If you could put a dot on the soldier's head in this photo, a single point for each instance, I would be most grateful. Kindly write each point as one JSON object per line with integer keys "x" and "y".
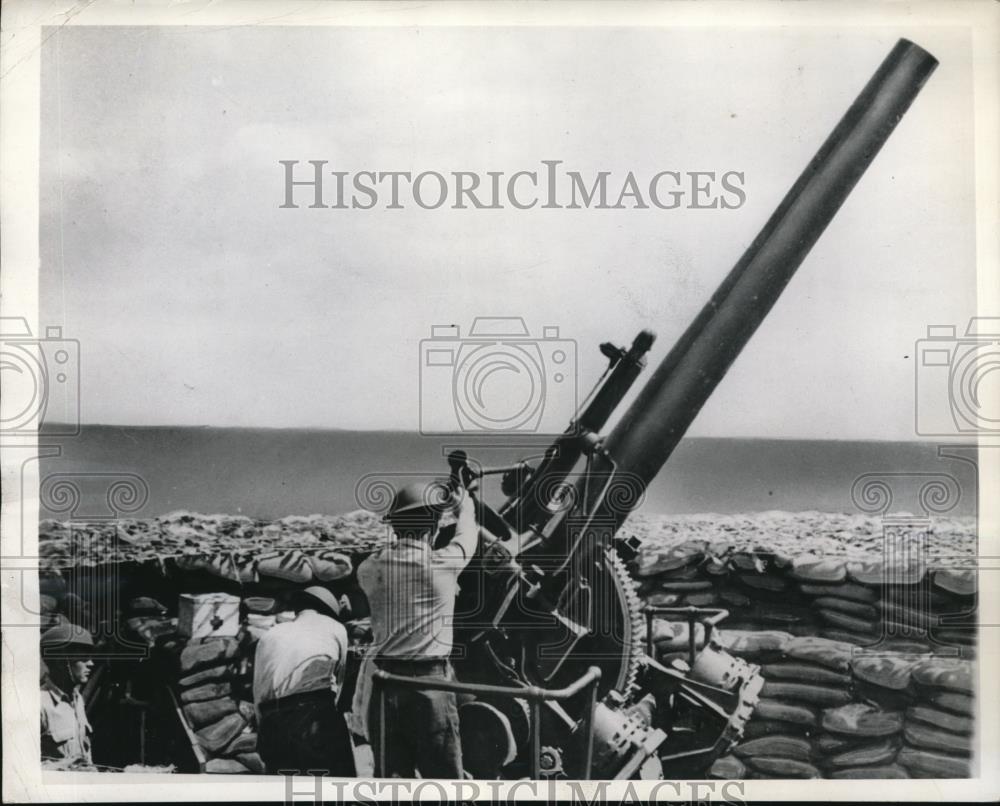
{"x": 67, "y": 651}
{"x": 416, "y": 510}
{"x": 317, "y": 598}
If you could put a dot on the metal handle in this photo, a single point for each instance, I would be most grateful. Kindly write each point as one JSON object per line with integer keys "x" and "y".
{"x": 534, "y": 694}
{"x": 708, "y": 616}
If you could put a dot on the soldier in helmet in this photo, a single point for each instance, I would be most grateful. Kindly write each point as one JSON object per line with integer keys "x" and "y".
{"x": 298, "y": 675}
{"x": 67, "y": 652}
{"x": 411, "y": 588}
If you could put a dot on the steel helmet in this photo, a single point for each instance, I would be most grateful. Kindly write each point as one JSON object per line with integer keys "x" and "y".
{"x": 324, "y": 597}
{"x": 431, "y": 497}
{"x": 67, "y": 639}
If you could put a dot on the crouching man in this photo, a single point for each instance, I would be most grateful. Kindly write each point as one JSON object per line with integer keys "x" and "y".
{"x": 411, "y": 589}
{"x": 298, "y": 674}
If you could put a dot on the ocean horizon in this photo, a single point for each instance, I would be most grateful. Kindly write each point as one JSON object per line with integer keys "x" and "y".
{"x": 271, "y": 473}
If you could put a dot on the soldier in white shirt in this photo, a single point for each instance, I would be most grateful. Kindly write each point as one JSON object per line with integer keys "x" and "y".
{"x": 66, "y": 651}
{"x": 298, "y": 674}
{"x": 411, "y": 589}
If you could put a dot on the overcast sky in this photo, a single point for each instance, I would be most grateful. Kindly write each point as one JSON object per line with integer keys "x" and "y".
{"x": 197, "y": 300}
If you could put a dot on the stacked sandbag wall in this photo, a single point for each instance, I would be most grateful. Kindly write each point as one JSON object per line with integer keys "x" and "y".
{"x": 216, "y": 701}
{"x": 830, "y": 710}
{"x": 863, "y": 676}
{"x": 211, "y": 677}
{"x": 862, "y": 602}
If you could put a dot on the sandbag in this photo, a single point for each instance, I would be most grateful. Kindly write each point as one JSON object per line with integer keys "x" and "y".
{"x": 935, "y": 717}
{"x": 199, "y": 714}
{"x": 219, "y": 565}
{"x": 842, "y": 636}
{"x": 859, "y": 610}
{"x": 850, "y": 623}
{"x": 247, "y": 709}
{"x": 862, "y": 719}
{"x": 952, "y": 701}
{"x": 715, "y": 567}
{"x": 961, "y": 582}
{"x": 905, "y": 646}
{"x": 198, "y": 655}
{"x": 905, "y": 618}
{"x": 832, "y": 654}
{"x": 783, "y": 767}
{"x": 813, "y": 569}
{"x": 928, "y": 738}
{"x": 290, "y": 566}
{"x": 888, "y": 671}
{"x": 881, "y": 752}
{"x": 692, "y": 586}
{"x": 649, "y": 565}
{"x": 245, "y": 742}
{"x": 660, "y": 599}
{"x": 685, "y": 574}
{"x": 706, "y": 599}
{"x": 786, "y": 712}
{"x": 779, "y": 746}
{"x": 885, "y": 772}
{"x": 764, "y": 582}
{"x": 206, "y": 691}
{"x": 805, "y": 673}
{"x": 225, "y": 766}
{"x": 219, "y": 734}
{"x": 926, "y": 764}
{"x": 877, "y": 573}
{"x": 822, "y": 696}
{"x": 829, "y": 743}
{"x": 940, "y": 673}
{"x": 957, "y": 636}
{"x": 205, "y": 676}
{"x": 329, "y": 565}
{"x": 846, "y": 590}
{"x": 748, "y": 643}
{"x": 728, "y": 768}
{"x": 252, "y": 762}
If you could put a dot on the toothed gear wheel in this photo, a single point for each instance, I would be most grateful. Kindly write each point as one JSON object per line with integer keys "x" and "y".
{"x": 632, "y": 607}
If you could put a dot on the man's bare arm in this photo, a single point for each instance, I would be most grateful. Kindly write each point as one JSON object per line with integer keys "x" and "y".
{"x": 463, "y": 545}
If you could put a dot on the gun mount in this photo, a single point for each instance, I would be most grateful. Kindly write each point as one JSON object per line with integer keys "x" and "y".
{"x": 549, "y": 595}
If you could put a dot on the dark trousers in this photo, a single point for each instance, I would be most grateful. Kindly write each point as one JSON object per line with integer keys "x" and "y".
{"x": 303, "y": 733}
{"x": 421, "y": 726}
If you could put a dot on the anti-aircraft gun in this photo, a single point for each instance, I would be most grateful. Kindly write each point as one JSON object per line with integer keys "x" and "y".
{"x": 549, "y": 600}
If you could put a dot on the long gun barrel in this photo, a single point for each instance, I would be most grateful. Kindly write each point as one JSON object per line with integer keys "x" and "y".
{"x": 648, "y": 432}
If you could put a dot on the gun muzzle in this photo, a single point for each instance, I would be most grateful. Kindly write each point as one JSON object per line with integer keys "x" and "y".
{"x": 648, "y": 432}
